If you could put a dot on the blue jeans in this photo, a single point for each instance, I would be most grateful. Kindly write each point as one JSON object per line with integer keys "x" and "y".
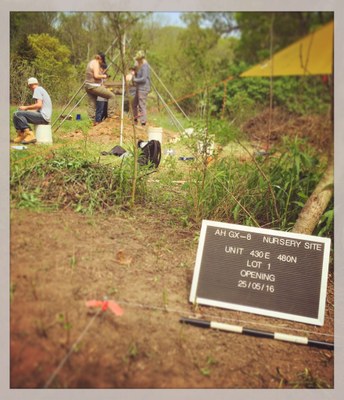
{"x": 101, "y": 110}
{"x": 21, "y": 119}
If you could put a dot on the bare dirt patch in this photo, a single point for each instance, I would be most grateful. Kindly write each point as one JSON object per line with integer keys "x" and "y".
{"x": 109, "y": 131}
{"x": 143, "y": 260}
{"x": 60, "y": 260}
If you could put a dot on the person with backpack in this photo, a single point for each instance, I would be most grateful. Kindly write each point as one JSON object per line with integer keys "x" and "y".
{"x": 38, "y": 113}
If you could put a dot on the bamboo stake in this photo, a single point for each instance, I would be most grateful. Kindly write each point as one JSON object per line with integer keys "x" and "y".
{"x": 123, "y": 92}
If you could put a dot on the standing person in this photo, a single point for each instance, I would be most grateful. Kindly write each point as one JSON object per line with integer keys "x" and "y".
{"x": 142, "y": 82}
{"x": 38, "y": 113}
{"x": 94, "y": 88}
{"x": 131, "y": 87}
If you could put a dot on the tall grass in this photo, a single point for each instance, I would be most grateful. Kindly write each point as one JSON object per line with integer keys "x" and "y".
{"x": 261, "y": 191}
{"x": 266, "y": 191}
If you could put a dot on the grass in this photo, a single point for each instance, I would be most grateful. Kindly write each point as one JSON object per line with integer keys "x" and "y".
{"x": 71, "y": 178}
{"x": 240, "y": 186}
{"x": 259, "y": 191}
{"x": 304, "y": 380}
{"x": 210, "y": 362}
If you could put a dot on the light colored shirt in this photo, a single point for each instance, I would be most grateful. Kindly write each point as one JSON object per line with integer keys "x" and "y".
{"x": 142, "y": 78}
{"x": 47, "y": 107}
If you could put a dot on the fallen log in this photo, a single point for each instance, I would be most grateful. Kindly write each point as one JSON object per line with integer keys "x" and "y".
{"x": 317, "y": 203}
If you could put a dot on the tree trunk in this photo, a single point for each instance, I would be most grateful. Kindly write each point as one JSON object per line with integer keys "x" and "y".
{"x": 317, "y": 203}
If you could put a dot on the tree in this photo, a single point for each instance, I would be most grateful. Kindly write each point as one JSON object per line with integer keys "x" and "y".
{"x": 255, "y": 31}
{"x": 195, "y": 45}
{"x": 52, "y": 65}
{"x": 317, "y": 203}
{"x": 23, "y": 24}
{"x": 73, "y": 32}
{"x": 223, "y": 23}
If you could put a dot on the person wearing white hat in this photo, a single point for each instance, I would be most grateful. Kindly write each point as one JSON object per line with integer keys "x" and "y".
{"x": 38, "y": 113}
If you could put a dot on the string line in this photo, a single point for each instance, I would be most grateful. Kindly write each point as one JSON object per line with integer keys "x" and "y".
{"x": 211, "y": 317}
{"x": 71, "y": 350}
{"x": 156, "y": 308}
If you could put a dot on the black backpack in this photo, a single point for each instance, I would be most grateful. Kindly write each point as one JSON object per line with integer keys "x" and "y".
{"x": 150, "y": 153}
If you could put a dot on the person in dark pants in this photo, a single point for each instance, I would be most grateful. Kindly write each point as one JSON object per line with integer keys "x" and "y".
{"x": 102, "y": 102}
{"x": 38, "y": 113}
{"x": 95, "y": 88}
{"x": 101, "y": 110}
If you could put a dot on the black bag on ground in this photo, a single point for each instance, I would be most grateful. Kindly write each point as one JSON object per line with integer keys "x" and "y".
{"x": 116, "y": 151}
{"x": 150, "y": 153}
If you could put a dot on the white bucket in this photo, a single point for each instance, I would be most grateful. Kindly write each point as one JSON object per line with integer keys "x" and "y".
{"x": 43, "y": 134}
{"x": 209, "y": 148}
{"x": 155, "y": 134}
{"x": 189, "y": 131}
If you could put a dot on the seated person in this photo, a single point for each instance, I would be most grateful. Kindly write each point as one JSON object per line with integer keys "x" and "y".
{"x": 38, "y": 113}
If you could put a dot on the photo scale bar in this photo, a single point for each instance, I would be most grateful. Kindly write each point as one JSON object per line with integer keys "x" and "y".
{"x": 258, "y": 333}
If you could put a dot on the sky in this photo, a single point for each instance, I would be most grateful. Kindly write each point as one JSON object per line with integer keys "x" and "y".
{"x": 169, "y": 18}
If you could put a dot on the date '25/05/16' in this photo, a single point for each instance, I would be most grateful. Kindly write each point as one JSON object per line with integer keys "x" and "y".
{"x": 256, "y": 286}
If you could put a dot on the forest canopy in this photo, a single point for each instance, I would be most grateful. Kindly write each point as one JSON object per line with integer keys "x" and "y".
{"x": 197, "y": 57}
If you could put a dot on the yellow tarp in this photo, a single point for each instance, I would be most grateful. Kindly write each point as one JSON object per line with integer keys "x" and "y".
{"x": 312, "y": 55}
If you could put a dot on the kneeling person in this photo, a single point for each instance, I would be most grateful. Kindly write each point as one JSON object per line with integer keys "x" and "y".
{"x": 38, "y": 113}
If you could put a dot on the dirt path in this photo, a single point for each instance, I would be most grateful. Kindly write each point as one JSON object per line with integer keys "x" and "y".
{"x": 60, "y": 260}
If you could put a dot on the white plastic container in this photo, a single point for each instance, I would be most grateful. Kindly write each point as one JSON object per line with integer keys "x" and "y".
{"x": 155, "y": 134}
{"x": 43, "y": 134}
{"x": 189, "y": 132}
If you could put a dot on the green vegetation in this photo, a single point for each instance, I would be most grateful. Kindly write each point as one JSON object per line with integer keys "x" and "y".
{"x": 242, "y": 155}
{"x": 304, "y": 380}
{"x": 193, "y": 62}
{"x": 259, "y": 191}
{"x": 262, "y": 192}
{"x": 200, "y": 65}
{"x": 72, "y": 179}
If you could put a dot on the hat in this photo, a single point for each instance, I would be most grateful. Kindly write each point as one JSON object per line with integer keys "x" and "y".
{"x": 32, "y": 81}
{"x": 139, "y": 55}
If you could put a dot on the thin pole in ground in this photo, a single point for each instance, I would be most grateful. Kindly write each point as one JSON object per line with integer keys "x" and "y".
{"x": 170, "y": 94}
{"x": 123, "y": 92}
{"x": 80, "y": 100}
{"x": 169, "y": 111}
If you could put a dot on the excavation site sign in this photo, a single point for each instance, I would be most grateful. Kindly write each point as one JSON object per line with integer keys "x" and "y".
{"x": 262, "y": 271}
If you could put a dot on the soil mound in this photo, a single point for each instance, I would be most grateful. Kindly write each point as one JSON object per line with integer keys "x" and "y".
{"x": 274, "y": 125}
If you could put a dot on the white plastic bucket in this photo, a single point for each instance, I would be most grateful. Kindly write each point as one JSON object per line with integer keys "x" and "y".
{"x": 43, "y": 134}
{"x": 155, "y": 134}
{"x": 209, "y": 148}
{"x": 189, "y": 131}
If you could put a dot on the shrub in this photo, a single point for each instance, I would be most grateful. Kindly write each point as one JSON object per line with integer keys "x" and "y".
{"x": 262, "y": 192}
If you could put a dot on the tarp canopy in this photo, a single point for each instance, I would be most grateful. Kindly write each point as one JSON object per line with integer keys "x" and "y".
{"x": 312, "y": 55}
